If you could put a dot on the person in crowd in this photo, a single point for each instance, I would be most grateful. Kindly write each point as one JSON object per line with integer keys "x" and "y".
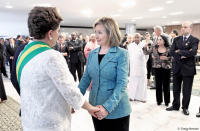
{"x": 148, "y": 42}
{"x": 107, "y": 67}
{"x": 3, "y": 51}
{"x": 26, "y": 40}
{"x": 19, "y": 40}
{"x": 87, "y": 38}
{"x": 126, "y": 41}
{"x": 2, "y": 89}
{"x": 91, "y": 45}
{"x": 13, "y": 77}
{"x": 77, "y": 58}
{"x": 173, "y": 35}
{"x": 62, "y": 47}
{"x": 47, "y": 88}
{"x": 162, "y": 68}
{"x": 198, "y": 114}
{"x": 138, "y": 80}
{"x": 10, "y": 51}
{"x": 159, "y": 31}
{"x": 183, "y": 50}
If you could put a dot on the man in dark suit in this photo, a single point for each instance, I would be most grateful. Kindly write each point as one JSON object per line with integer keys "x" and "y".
{"x": 77, "y": 58}
{"x": 62, "y": 47}
{"x": 184, "y": 49}
{"x": 10, "y": 51}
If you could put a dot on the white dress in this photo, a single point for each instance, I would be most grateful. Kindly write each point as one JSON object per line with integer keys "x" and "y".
{"x": 138, "y": 72}
{"x": 48, "y": 91}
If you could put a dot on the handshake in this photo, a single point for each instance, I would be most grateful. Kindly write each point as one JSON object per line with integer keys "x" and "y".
{"x": 98, "y": 111}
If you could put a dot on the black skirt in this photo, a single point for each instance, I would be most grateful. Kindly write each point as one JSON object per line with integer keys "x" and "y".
{"x": 2, "y": 90}
{"x": 119, "y": 124}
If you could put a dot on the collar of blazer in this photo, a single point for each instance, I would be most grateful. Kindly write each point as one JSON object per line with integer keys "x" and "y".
{"x": 109, "y": 55}
{"x": 112, "y": 49}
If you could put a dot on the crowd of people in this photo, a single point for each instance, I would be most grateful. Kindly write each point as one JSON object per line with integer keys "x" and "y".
{"x": 117, "y": 71}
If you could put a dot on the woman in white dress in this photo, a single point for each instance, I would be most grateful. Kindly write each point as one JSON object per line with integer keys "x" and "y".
{"x": 48, "y": 90}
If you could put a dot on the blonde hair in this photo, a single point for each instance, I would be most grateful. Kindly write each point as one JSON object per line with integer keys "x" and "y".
{"x": 112, "y": 30}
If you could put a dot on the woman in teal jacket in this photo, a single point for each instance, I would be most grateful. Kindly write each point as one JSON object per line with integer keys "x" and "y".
{"x": 107, "y": 67}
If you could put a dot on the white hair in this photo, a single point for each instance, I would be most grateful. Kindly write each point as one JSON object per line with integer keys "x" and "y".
{"x": 158, "y": 28}
{"x": 188, "y": 22}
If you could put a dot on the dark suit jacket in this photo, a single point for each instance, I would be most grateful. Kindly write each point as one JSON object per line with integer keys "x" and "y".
{"x": 1, "y": 56}
{"x": 76, "y": 54}
{"x": 2, "y": 64}
{"x": 10, "y": 51}
{"x": 63, "y": 50}
{"x": 184, "y": 66}
{"x": 13, "y": 73}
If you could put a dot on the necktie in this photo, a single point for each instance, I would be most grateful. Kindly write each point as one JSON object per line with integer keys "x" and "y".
{"x": 184, "y": 39}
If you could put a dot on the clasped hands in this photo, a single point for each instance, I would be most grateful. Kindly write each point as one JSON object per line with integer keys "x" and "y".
{"x": 98, "y": 112}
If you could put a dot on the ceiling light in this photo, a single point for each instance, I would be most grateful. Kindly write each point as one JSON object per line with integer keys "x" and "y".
{"x": 127, "y": 4}
{"x": 138, "y": 18}
{"x": 87, "y": 12}
{"x": 133, "y": 20}
{"x": 120, "y": 10}
{"x": 196, "y": 21}
{"x": 164, "y": 17}
{"x": 176, "y": 13}
{"x": 169, "y": 2}
{"x": 43, "y": 5}
{"x": 9, "y": 6}
{"x": 115, "y": 15}
{"x": 176, "y": 22}
{"x": 156, "y": 9}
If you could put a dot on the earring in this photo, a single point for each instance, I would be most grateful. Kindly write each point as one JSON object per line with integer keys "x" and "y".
{"x": 50, "y": 38}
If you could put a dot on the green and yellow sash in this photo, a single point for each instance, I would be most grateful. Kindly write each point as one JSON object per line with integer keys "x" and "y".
{"x": 30, "y": 51}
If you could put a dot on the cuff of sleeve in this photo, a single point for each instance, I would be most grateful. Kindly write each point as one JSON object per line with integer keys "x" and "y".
{"x": 108, "y": 107}
{"x": 80, "y": 103}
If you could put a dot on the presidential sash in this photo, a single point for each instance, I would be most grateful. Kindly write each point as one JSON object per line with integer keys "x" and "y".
{"x": 29, "y": 52}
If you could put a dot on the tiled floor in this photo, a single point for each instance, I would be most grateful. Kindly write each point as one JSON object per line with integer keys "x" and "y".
{"x": 144, "y": 117}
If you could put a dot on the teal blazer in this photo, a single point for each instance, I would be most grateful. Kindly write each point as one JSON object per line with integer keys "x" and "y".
{"x": 110, "y": 78}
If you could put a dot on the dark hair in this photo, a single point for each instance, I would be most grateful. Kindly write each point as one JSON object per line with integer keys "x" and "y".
{"x": 175, "y": 32}
{"x": 166, "y": 42}
{"x": 43, "y": 19}
{"x": 18, "y": 36}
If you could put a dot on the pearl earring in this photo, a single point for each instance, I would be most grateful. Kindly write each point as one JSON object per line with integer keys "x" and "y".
{"x": 50, "y": 38}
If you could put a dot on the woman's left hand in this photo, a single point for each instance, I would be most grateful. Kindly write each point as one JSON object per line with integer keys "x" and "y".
{"x": 102, "y": 113}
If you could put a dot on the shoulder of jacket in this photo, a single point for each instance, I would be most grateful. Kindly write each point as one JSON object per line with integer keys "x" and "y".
{"x": 194, "y": 37}
{"x": 177, "y": 38}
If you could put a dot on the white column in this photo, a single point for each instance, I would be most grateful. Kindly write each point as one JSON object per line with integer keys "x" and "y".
{"x": 130, "y": 28}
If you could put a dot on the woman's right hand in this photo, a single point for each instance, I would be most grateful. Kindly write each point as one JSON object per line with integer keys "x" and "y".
{"x": 91, "y": 109}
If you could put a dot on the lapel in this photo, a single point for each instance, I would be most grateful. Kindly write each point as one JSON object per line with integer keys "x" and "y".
{"x": 188, "y": 39}
{"x": 110, "y": 55}
{"x": 181, "y": 44}
{"x": 96, "y": 60}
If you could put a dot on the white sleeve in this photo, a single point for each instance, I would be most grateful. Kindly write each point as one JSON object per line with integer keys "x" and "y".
{"x": 58, "y": 71}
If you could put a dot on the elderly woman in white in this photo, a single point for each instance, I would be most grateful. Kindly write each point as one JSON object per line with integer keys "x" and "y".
{"x": 47, "y": 88}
